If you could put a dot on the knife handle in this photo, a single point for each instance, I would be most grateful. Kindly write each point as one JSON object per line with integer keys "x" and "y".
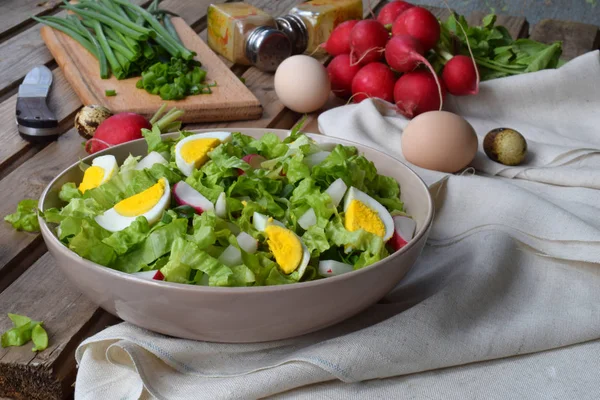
{"x": 33, "y": 112}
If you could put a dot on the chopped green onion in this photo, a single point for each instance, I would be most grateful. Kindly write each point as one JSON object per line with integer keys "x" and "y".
{"x": 110, "y": 92}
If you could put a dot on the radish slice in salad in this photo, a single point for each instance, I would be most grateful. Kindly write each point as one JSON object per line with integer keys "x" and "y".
{"x": 316, "y": 158}
{"x": 150, "y": 275}
{"x": 404, "y": 230}
{"x": 186, "y": 195}
{"x": 151, "y": 159}
{"x": 247, "y": 243}
{"x": 336, "y": 191}
{"x": 308, "y": 219}
{"x": 231, "y": 256}
{"x": 333, "y": 268}
{"x": 255, "y": 161}
{"x": 221, "y": 206}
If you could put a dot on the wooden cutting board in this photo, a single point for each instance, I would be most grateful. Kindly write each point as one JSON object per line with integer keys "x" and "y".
{"x": 231, "y": 100}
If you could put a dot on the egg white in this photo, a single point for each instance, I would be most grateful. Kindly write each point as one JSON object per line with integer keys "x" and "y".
{"x": 112, "y": 221}
{"x": 152, "y": 158}
{"x": 261, "y": 222}
{"x": 109, "y": 165}
{"x": 385, "y": 216}
{"x": 187, "y": 168}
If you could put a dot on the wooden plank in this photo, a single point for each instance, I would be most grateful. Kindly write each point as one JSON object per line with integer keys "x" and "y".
{"x": 68, "y": 317}
{"x": 577, "y": 38}
{"x": 517, "y": 26}
{"x": 17, "y": 13}
{"x": 230, "y": 100}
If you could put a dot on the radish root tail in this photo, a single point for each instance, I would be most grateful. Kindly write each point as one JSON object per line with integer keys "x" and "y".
{"x": 352, "y": 63}
{"x": 92, "y": 140}
{"x": 371, "y": 10}
{"x": 435, "y": 76}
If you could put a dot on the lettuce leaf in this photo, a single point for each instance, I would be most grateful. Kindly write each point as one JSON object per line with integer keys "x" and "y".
{"x": 135, "y": 233}
{"x": 26, "y": 216}
{"x": 24, "y": 329}
{"x": 68, "y": 192}
{"x": 88, "y": 243}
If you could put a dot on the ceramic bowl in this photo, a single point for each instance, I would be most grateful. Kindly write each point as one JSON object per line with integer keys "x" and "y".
{"x": 242, "y": 314}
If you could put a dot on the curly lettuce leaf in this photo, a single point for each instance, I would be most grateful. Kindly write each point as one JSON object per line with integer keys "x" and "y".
{"x": 26, "y": 216}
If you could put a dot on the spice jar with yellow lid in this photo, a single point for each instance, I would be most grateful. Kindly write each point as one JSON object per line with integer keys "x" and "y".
{"x": 246, "y": 35}
{"x": 309, "y": 24}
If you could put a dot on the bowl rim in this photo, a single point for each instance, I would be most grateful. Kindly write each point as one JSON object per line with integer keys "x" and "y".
{"x": 49, "y": 235}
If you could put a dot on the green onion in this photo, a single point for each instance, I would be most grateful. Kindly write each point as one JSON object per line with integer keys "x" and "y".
{"x": 171, "y": 28}
{"x": 69, "y": 31}
{"x": 110, "y": 56}
{"x": 99, "y": 53}
{"x": 110, "y": 93}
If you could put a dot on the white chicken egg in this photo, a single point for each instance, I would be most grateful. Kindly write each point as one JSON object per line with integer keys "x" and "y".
{"x": 149, "y": 203}
{"x": 302, "y": 83}
{"x": 152, "y": 158}
{"x": 102, "y": 169}
{"x": 192, "y": 152}
{"x": 287, "y": 248}
{"x": 364, "y": 212}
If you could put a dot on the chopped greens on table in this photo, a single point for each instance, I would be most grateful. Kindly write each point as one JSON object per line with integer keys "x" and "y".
{"x": 23, "y": 331}
{"x": 128, "y": 41}
{"x": 225, "y": 209}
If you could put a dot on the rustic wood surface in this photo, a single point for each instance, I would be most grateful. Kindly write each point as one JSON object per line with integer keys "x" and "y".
{"x": 30, "y": 282}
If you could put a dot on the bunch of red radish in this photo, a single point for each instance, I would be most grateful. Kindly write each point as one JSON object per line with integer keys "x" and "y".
{"x": 369, "y": 62}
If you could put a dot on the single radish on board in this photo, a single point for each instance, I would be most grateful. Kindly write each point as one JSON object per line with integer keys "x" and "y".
{"x": 374, "y": 80}
{"x": 339, "y": 40}
{"x": 185, "y": 195}
{"x": 418, "y": 92}
{"x": 367, "y": 41}
{"x": 460, "y": 76}
{"x": 341, "y": 72}
{"x": 404, "y": 230}
{"x": 119, "y": 128}
{"x": 391, "y": 11}
{"x": 420, "y": 24}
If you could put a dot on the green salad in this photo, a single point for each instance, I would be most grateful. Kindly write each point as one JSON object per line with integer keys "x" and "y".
{"x": 226, "y": 209}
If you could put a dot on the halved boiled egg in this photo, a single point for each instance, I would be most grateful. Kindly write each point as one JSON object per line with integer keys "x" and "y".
{"x": 192, "y": 152}
{"x": 152, "y": 158}
{"x": 102, "y": 169}
{"x": 150, "y": 204}
{"x": 364, "y": 212}
{"x": 289, "y": 251}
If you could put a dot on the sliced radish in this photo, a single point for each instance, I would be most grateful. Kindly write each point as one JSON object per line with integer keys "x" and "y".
{"x": 308, "y": 219}
{"x": 152, "y": 158}
{"x": 150, "y": 275}
{"x": 333, "y": 268}
{"x": 232, "y": 227}
{"x": 187, "y": 195}
{"x": 261, "y": 221}
{"x": 404, "y": 230}
{"x": 247, "y": 243}
{"x": 316, "y": 158}
{"x": 231, "y": 256}
{"x": 221, "y": 205}
{"x": 337, "y": 190}
{"x": 254, "y": 160}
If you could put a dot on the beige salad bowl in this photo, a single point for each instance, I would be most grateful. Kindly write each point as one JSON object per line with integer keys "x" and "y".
{"x": 246, "y": 314}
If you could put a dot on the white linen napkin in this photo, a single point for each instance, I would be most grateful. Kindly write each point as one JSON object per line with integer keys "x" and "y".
{"x": 511, "y": 268}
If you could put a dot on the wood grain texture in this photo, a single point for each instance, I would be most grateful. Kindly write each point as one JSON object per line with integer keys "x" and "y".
{"x": 68, "y": 318}
{"x": 16, "y": 13}
{"x": 577, "y": 38}
{"x": 518, "y": 27}
{"x": 230, "y": 100}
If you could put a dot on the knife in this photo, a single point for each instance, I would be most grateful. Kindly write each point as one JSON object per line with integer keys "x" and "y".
{"x": 35, "y": 121}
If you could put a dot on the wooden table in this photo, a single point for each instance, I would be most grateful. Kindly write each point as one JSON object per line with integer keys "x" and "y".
{"x": 30, "y": 282}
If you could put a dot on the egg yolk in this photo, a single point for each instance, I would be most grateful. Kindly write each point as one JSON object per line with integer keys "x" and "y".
{"x": 92, "y": 178}
{"x": 196, "y": 151}
{"x": 360, "y": 216}
{"x": 142, "y": 202}
{"x": 285, "y": 246}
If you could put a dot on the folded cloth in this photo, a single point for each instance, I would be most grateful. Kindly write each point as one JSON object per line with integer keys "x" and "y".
{"x": 511, "y": 268}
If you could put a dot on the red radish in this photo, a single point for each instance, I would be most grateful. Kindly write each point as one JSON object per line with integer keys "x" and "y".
{"x": 460, "y": 76}
{"x": 391, "y": 11}
{"x": 247, "y": 243}
{"x": 221, "y": 205}
{"x": 119, "y": 128}
{"x": 404, "y": 230}
{"x": 341, "y": 72}
{"x": 255, "y": 160}
{"x": 374, "y": 80}
{"x": 418, "y": 92}
{"x": 231, "y": 256}
{"x": 186, "y": 195}
{"x": 367, "y": 41}
{"x": 420, "y": 24}
{"x": 404, "y": 53}
{"x": 332, "y": 268}
{"x": 339, "y": 40}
